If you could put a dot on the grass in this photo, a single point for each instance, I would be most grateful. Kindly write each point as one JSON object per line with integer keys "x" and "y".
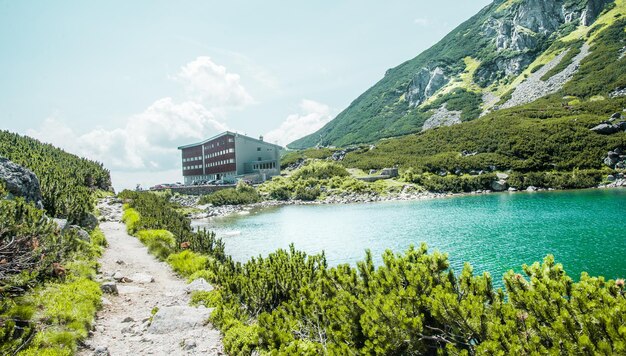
{"x": 131, "y": 217}
{"x": 161, "y": 243}
{"x": 187, "y": 262}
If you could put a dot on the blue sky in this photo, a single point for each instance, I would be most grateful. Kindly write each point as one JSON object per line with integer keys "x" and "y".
{"x": 125, "y": 82}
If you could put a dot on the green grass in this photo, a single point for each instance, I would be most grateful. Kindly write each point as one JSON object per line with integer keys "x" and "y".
{"x": 161, "y": 243}
{"x": 131, "y": 217}
{"x": 187, "y": 262}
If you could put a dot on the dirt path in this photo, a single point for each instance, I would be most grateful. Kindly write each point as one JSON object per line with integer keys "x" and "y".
{"x": 123, "y": 326}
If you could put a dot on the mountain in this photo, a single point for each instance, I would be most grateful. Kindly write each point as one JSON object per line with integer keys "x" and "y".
{"x": 511, "y": 53}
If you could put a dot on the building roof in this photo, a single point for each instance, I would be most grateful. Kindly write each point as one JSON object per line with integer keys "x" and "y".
{"x": 228, "y": 133}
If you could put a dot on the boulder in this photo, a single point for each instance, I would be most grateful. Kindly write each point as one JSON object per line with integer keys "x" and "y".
{"x": 176, "y": 318}
{"x": 62, "y": 224}
{"x": 89, "y": 222}
{"x": 20, "y": 182}
{"x": 531, "y": 188}
{"x": 606, "y": 129}
{"x": 84, "y": 235}
{"x": 499, "y": 185}
{"x": 109, "y": 287}
{"x": 616, "y": 116}
{"x": 199, "y": 284}
{"x": 512, "y": 189}
{"x": 610, "y": 178}
{"x": 142, "y": 278}
{"x": 502, "y": 176}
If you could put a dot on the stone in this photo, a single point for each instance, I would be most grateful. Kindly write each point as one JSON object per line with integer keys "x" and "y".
{"x": 62, "y": 224}
{"x": 606, "y": 129}
{"x": 128, "y": 319}
{"x": 512, "y": 189}
{"x": 89, "y": 222}
{"x": 20, "y": 182}
{"x": 531, "y": 188}
{"x": 176, "y": 318}
{"x": 101, "y": 351}
{"x": 199, "y": 284}
{"x": 142, "y": 278}
{"x": 502, "y": 176}
{"x": 82, "y": 234}
{"x": 499, "y": 185}
{"x": 616, "y": 116}
{"x": 109, "y": 287}
{"x": 610, "y": 178}
{"x": 189, "y": 344}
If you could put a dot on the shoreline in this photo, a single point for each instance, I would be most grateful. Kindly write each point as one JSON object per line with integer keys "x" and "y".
{"x": 224, "y": 211}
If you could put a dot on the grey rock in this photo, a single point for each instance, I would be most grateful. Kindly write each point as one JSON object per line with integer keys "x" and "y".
{"x": 128, "y": 319}
{"x": 512, "y": 189}
{"x": 82, "y": 234}
{"x": 101, "y": 351}
{"x": 442, "y": 117}
{"x": 189, "y": 344}
{"x": 142, "y": 278}
{"x": 531, "y": 188}
{"x": 109, "y": 287}
{"x": 175, "y": 318}
{"x": 503, "y": 176}
{"x": 20, "y": 182}
{"x": 199, "y": 284}
{"x": 616, "y": 116}
{"x": 424, "y": 84}
{"x": 499, "y": 185}
{"x": 606, "y": 129}
{"x": 89, "y": 222}
{"x": 62, "y": 224}
{"x": 610, "y": 178}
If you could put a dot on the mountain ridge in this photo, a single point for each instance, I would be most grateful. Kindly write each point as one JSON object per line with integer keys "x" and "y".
{"x": 474, "y": 69}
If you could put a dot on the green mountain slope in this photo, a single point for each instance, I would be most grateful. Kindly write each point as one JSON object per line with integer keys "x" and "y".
{"x": 529, "y": 46}
{"x": 67, "y": 181}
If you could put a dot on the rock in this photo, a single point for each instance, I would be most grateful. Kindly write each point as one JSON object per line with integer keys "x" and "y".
{"x": 424, "y": 84}
{"x": 89, "y": 222}
{"x": 176, "y": 318}
{"x": 189, "y": 344}
{"x": 101, "y": 351}
{"x": 62, "y": 224}
{"x": 20, "y": 182}
{"x": 109, "y": 287}
{"x": 119, "y": 262}
{"x": 142, "y": 278}
{"x": 199, "y": 284}
{"x": 499, "y": 185}
{"x": 502, "y": 176}
{"x": 616, "y": 116}
{"x": 84, "y": 235}
{"x": 442, "y": 117}
{"x": 128, "y": 319}
{"x": 512, "y": 189}
{"x": 610, "y": 178}
{"x": 531, "y": 188}
{"x": 606, "y": 129}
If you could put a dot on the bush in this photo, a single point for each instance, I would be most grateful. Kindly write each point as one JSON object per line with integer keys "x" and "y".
{"x": 131, "y": 217}
{"x": 161, "y": 243}
{"x": 242, "y": 194}
{"x": 319, "y": 170}
{"x": 186, "y": 262}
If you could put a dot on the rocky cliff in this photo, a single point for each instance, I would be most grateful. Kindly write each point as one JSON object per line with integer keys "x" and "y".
{"x": 504, "y": 46}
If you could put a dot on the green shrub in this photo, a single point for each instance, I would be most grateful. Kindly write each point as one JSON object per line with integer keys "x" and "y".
{"x": 241, "y": 339}
{"x": 161, "y": 243}
{"x": 187, "y": 262}
{"x": 208, "y": 299}
{"x": 319, "y": 170}
{"x": 307, "y": 193}
{"x": 131, "y": 217}
{"x": 242, "y": 194}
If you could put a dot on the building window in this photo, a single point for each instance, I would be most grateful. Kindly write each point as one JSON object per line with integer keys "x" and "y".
{"x": 259, "y": 159}
{"x": 258, "y": 148}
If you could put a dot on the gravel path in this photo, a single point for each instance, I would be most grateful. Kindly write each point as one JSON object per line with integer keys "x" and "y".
{"x": 124, "y": 325}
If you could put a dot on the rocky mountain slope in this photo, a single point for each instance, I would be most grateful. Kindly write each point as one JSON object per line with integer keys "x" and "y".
{"x": 511, "y": 53}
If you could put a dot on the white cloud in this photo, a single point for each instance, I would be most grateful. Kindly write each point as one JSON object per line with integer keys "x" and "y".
{"x": 211, "y": 84}
{"x": 146, "y": 146}
{"x": 423, "y": 22}
{"x": 312, "y": 117}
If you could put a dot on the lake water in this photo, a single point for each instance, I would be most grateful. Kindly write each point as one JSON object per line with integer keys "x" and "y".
{"x": 584, "y": 230}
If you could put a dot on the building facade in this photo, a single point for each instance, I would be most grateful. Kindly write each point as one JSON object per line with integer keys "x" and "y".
{"x": 229, "y": 156}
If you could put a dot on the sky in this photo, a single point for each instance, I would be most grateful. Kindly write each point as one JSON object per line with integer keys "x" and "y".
{"x": 126, "y": 82}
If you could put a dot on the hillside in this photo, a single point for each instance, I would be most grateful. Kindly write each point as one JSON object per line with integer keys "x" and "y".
{"x": 67, "y": 181}
{"x": 511, "y": 53}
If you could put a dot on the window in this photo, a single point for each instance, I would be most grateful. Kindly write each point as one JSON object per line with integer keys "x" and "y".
{"x": 258, "y": 148}
{"x": 259, "y": 159}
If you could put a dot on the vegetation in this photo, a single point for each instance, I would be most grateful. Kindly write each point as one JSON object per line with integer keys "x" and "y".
{"x": 161, "y": 243}
{"x": 47, "y": 296}
{"x": 242, "y": 194}
{"x": 293, "y": 303}
{"x": 67, "y": 181}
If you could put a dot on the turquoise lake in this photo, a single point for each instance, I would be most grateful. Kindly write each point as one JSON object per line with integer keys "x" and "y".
{"x": 585, "y": 230}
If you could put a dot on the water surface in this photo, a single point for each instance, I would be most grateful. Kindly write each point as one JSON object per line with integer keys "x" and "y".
{"x": 585, "y": 230}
